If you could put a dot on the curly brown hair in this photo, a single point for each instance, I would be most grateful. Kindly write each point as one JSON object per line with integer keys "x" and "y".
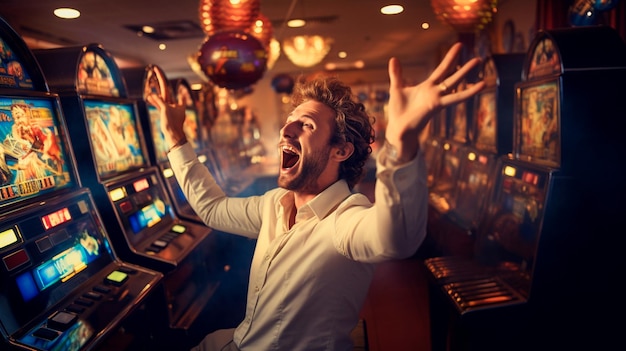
{"x": 352, "y": 123}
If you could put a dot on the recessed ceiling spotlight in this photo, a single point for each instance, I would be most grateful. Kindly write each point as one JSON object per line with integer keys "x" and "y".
{"x": 391, "y": 9}
{"x": 162, "y": 46}
{"x": 147, "y": 29}
{"x": 66, "y": 13}
{"x": 342, "y": 54}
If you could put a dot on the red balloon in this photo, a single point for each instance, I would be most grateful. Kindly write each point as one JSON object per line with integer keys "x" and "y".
{"x": 233, "y": 59}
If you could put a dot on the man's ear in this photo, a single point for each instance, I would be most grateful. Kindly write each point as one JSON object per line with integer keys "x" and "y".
{"x": 342, "y": 153}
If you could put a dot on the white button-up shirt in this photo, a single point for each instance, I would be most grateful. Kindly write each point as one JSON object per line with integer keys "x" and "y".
{"x": 307, "y": 284}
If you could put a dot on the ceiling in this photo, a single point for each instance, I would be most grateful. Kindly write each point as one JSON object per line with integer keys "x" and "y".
{"x": 356, "y": 27}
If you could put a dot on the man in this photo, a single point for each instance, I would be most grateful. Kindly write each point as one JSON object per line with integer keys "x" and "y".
{"x": 317, "y": 241}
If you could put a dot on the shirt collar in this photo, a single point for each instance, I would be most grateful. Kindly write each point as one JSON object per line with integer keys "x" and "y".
{"x": 325, "y": 202}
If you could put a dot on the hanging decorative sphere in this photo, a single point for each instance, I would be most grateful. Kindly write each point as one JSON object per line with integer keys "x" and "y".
{"x": 465, "y": 16}
{"x": 233, "y": 59}
{"x": 283, "y": 83}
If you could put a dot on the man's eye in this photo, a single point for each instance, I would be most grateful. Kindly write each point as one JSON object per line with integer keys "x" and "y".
{"x": 307, "y": 125}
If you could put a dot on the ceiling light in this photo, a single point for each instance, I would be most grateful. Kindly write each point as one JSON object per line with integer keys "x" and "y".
{"x": 342, "y": 54}
{"x": 391, "y": 9}
{"x": 306, "y": 50}
{"x": 147, "y": 29}
{"x": 296, "y": 23}
{"x": 66, "y": 13}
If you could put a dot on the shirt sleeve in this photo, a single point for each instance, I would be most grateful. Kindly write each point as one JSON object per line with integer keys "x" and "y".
{"x": 236, "y": 215}
{"x": 395, "y": 226}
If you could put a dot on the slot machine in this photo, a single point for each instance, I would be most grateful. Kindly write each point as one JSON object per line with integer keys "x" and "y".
{"x": 62, "y": 286}
{"x": 194, "y": 131}
{"x": 433, "y": 145}
{"x": 491, "y": 136}
{"x": 140, "y": 80}
{"x": 545, "y": 256}
{"x": 113, "y": 162}
{"x": 446, "y": 174}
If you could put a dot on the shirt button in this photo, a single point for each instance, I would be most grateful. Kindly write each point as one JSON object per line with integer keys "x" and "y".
{"x": 267, "y": 257}
{"x": 256, "y": 288}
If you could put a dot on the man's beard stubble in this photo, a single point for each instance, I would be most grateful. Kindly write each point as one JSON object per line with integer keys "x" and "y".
{"x": 310, "y": 171}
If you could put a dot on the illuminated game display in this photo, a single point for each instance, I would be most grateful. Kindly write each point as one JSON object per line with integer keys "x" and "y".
{"x": 459, "y": 119}
{"x": 158, "y": 139}
{"x": 114, "y": 137}
{"x": 485, "y": 137}
{"x": 191, "y": 127}
{"x": 538, "y": 138}
{"x": 33, "y": 158}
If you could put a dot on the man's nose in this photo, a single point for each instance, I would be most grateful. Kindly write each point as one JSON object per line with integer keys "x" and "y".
{"x": 288, "y": 130}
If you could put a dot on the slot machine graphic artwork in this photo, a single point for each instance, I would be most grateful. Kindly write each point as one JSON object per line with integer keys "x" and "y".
{"x": 62, "y": 287}
{"x": 545, "y": 259}
{"x": 491, "y": 134}
{"x": 113, "y": 162}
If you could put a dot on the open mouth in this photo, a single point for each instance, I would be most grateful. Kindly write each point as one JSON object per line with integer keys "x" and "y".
{"x": 290, "y": 157}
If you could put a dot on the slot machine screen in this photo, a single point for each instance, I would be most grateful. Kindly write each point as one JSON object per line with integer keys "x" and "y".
{"x": 458, "y": 126}
{"x": 71, "y": 252}
{"x": 448, "y": 170}
{"x": 158, "y": 139}
{"x": 516, "y": 218}
{"x": 485, "y": 126}
{"x": 191, "y": 127}
{"x": 538, "y": 134}
{"x": 114, "y": 137}
{"x": 472, "y": 186}
{"x": 33, "y": 157}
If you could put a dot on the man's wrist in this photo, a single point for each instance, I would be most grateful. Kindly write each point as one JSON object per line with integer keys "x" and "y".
{"x": 177, "y": 144}
{"x": 396, "y": 156}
